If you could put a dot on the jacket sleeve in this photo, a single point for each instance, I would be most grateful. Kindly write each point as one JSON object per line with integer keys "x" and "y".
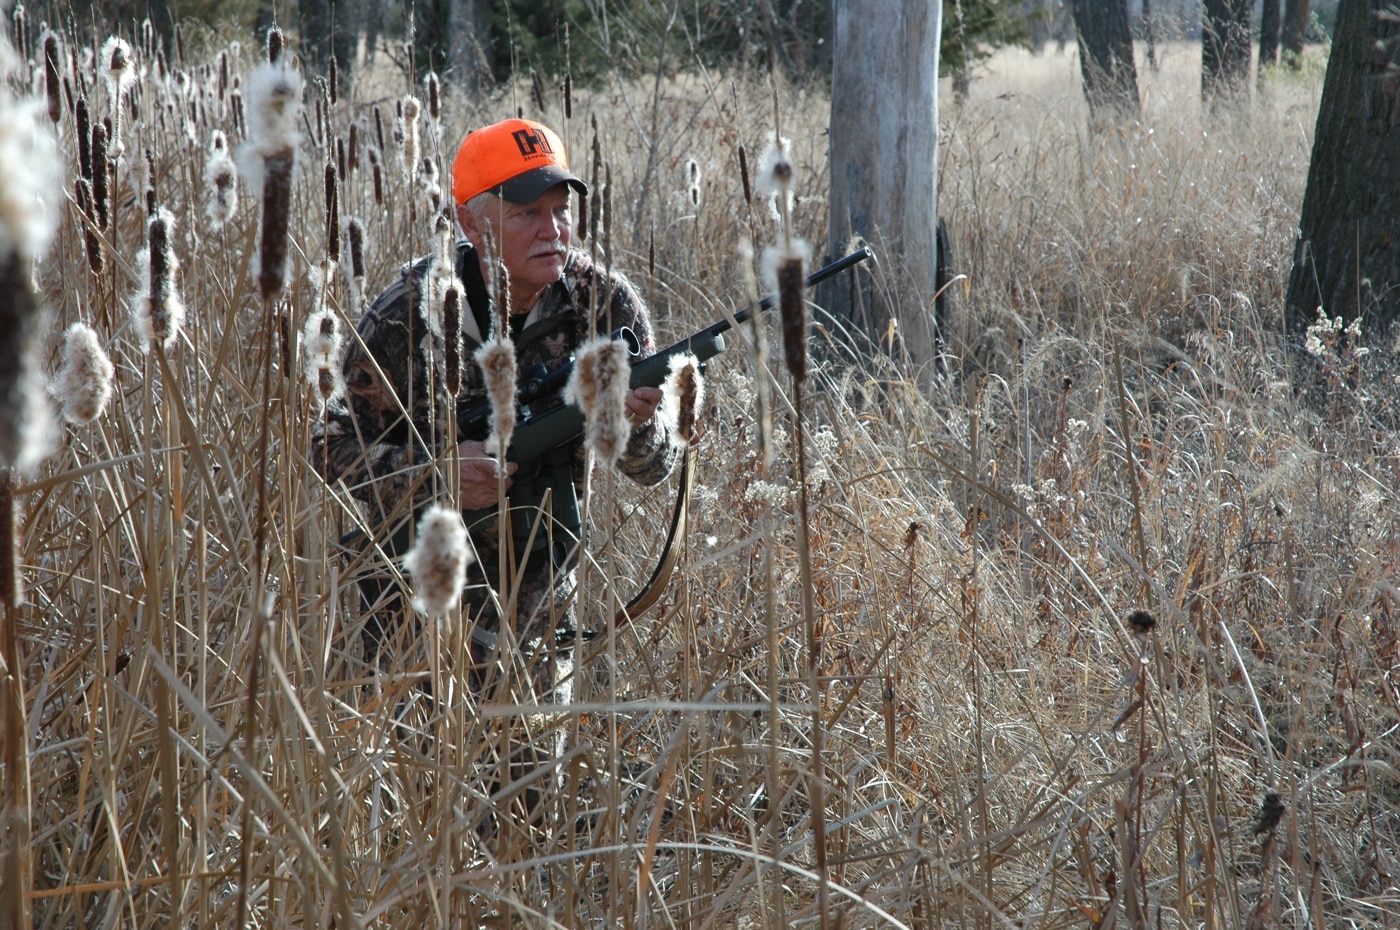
{"x": 652, "y": 450}
{"x": 366, "y": 438}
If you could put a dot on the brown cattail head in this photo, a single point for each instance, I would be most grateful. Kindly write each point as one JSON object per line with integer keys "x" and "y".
{"x": 355, "y": 231}
{"x": 274, "y": 45}
{"x": 784, "y": 271}
{"x": 692, "y": 170}
{"x": 53, "y": 81}
{"x": 1271, "y": 812}
{"x": 438, "y": 561}
{"x": 82, "y": 193}
{"x": 82, "y": 123}
{"x": 333, "y": 81}
{"x": 599, "y": 386}
{"x": 332, "y": 213}
{"x": 1141, "y": 622}
{"x": 432, "y": 88}
{"x": 101, "y": 176}
{"x": 452, "y": 338}
{"x": 352, "y": 147}
{"x": 568, "y": 95}
{"x": 684, "y": 395}
{"x": 84, "y": 382}
{"x": 321, "y": 349}
{"x": 157, "y": 307}
{"x": 744, "y": 175}
{"x": 377, "y": 171}
{"x": 267, "y": 160}
{"x": 496, "y": 359}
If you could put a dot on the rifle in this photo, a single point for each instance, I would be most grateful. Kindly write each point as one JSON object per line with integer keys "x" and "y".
{"x": 536, "y": 434}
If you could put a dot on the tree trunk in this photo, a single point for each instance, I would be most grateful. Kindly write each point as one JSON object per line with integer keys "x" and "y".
{"x": 315, "y": 16}
{"x": 884, "y": 151}
{"x": 1347, "y": 259}
{"x": 469, "y": 46}
{"x": 1295, "y": 30}
{"x": 1270, "y": 27}
{"x": 1149, "y": 33}
{"x": 1106, "y": 60}
{"x": 1225, "y": 48}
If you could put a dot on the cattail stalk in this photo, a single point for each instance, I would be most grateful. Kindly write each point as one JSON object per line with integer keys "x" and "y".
{"x": 438, "y": 561}
{"x": 84, "y": 382}
{"x": 599, "y": 386}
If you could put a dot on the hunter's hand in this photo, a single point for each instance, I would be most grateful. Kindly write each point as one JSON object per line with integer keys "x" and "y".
{"x": 642, "y": 404}
{"x": 479, "y": 475}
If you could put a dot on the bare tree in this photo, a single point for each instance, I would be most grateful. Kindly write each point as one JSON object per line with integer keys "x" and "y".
{"x": 1106, "y": 60}
{"x": 1348, "y": 256}
{"x": 1225, "y": 48}
{"x": 884, "y": 151}
{"x": 468, "y": 45}
{"x": 1270, "y": 30}
{"x": 1295, "y": 29}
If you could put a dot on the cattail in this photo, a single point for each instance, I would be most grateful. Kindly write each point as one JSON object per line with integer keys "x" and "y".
{"x": 1141, "y": 622}
{"x": 692, "y": 170}
{"x": 101, "y": 176}
{"x": 432, "y": 88}
{"x": 378, "y": 129}
{"x": 21, "y": 31}
{"x": 442, "y": 275}
{"x": 223, "y": 74}
{"x": 321, "y": 346}
{"x": 355, "y": 233}
{"x": 267, "y": 159}
{"x": 408, "y": 130}
{"x": 428, "y": 180}
{"x": 599, "y": 386}
{"x": 340, "y": 157}
{"x": 438, "y": 561}
{"x": 333, "y": 81}
{"x": 82, "y": 192}
{"x": 82, "y": 123}
{"x": 744, "y": 175}
{"x": 784, "y": 271}
{"x": 352, "y": 147}
{"x": 157, "y": 307}
{"x": 496, "y": 359}
{"x": 775, "y": 181}
{"x": 377, "y": 170}
{"x": 1271, "y": 812}
{"x": 274, "y": 46}
{"x": 235, "y": 104}
{"x": 52, "y": 79}
{"x": 452, "y": 339}
{"x": 332, "y": 213}
{"x": 568, "y": 95}
{"x": 29, "y": 192}
{"x": 119, "y": 74}
{"x": 537, "y": 89}
{"x": 84, "y": 382}
{"x": 220, "y": 182}
{"x": 684, "y": 395}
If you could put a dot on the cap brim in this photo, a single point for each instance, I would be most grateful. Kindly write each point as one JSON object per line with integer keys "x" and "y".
{"x": 531, "y": 185}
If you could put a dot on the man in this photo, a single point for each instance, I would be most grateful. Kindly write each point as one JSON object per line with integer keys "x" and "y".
{"x": 513, "y": 189}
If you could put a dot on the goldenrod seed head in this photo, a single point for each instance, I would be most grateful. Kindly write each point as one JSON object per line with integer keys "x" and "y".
{"x": 84, "y": 382}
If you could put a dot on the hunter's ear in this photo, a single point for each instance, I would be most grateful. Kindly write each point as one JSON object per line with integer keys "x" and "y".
{"x": 467, "y": 222}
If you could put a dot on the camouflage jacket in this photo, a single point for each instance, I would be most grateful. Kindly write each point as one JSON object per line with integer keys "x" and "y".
{"x": 366, "y": 443}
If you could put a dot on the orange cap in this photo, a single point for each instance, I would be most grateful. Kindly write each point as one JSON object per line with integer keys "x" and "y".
{"x": 516, "y": 158}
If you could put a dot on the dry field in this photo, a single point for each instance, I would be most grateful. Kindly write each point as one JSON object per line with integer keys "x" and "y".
{"x": 1106, "y": 629}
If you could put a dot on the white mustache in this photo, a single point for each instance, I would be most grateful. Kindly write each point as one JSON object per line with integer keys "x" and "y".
{"x": 554, "y": 248}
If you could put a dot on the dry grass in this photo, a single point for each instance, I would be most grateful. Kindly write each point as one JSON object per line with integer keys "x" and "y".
{"x": 999, "y": 747}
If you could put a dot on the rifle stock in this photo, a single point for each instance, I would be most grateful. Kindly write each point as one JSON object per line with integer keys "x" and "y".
{"x": 537, "y": 434}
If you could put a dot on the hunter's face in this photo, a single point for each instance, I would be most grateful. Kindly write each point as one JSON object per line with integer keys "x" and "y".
{"x": 532, "y": 240}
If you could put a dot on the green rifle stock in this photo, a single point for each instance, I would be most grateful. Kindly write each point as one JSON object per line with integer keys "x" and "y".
{"x": 536, "y": 434}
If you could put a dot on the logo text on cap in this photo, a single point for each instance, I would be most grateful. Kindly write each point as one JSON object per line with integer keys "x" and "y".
{"x": 531, "y": 142}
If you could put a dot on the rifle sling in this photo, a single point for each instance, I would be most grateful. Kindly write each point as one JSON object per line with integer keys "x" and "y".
{"x": 661, "y": 576}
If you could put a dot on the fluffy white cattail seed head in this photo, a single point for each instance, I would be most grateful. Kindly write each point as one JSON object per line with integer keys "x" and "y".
{"x": 84, "y": 382}
{"x": 321, "y": 343}
{"x": 157, "y": 307}
{"x": 220, "y": 182}
{"x": 683, "y": 395}
{"x": 438, "y": 561}
{"x": 497, "y": 361}
{"x": 599, "y": 386}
